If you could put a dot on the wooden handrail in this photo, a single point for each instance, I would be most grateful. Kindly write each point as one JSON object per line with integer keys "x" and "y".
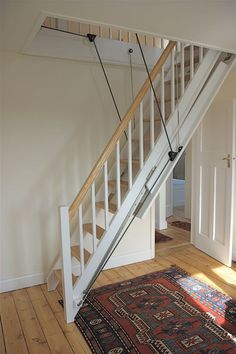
{"x": 120, "y": 130}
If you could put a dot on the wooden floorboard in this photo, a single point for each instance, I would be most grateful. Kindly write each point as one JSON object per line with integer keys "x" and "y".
{"x": 12, "y": 330}
{"x": 2, "y": 341}
{"x": 52, "y": 330}
{"x": 35, "y": 339}
{"x": 32, "y": 320}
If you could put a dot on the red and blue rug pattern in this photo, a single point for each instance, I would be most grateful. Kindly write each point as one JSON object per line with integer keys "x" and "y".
{"x": 163, "y": 312}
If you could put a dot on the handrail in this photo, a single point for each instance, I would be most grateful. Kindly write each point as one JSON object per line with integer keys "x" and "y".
{"x": 120, "y": 130}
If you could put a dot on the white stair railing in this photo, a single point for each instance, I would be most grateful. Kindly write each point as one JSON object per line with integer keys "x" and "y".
{"x": 119, "y": 208}
{"x": 105, "y": 31}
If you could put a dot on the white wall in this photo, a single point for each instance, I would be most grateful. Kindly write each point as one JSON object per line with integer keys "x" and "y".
{"x": 58, "y": 117}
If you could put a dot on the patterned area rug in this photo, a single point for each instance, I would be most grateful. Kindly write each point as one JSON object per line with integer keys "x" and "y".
{"x": 159, "y": 237}
{"x": 162, "y": 312}
{"x": 182, "y": 225}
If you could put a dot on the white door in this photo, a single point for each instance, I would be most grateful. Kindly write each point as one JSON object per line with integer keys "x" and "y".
{"x": 213, "y": 182}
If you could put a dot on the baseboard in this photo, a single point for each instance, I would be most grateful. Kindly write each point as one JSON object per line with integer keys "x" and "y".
{"x": 28, "y": 280}
{"x": 234, "y": 254}
{"x": 22, "y": 282}
{"x": 162, "y": 226}
{"x": 118, "y": 261}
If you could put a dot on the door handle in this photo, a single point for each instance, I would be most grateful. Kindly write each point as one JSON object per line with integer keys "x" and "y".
{"x": 228, "y": 159}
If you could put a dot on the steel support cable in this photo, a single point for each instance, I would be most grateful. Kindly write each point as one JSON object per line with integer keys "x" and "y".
{"x": 91, "y": 38}
{"x": 172, "y": 154}
{"x": 64, "y": 31}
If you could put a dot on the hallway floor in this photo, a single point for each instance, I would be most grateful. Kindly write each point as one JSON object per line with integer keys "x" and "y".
{"x": 32, "y": 320}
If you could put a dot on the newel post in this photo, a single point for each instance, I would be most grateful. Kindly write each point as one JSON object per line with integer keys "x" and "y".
{"x": 66, "y": 264}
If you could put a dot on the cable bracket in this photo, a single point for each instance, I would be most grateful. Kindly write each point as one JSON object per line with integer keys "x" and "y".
{"x": 91, "y": 37}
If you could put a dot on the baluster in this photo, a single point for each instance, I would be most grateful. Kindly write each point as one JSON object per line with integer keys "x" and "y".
{"x": 163, "y": 93}
{"x": 66, "y": 264}
{"x": 100, "y": 31}
{"x": 173, "y": 81}
{"x": 141, "y": 135}
{"x": 118, "y": 174}
{"x": 129, "y": 37}
{"x": 182, "y": 70}
{"x": 200, "y": 54}
{"x": 110, "y": 33}
{"x": 94, "y": 217}
{"x": 120, "y": 35}
{"x": 162, "y": 43}
{"x": 153, "y": 42}
{"x": 152, "y": 138}
{"x": 130, "y": 154}
{"x": 81, "y": 239}
{"x": 106, "y": 196}
{"x": 178, "y": 47}
{"x": 191, "y": 61}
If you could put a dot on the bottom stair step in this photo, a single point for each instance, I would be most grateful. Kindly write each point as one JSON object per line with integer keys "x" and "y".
{"x": 58, "y": 274}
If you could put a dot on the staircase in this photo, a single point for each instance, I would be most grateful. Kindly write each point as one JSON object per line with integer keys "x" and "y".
{"x": 136, "y": 162}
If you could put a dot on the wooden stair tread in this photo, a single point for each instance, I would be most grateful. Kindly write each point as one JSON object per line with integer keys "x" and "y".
{"x": 123, "y": 184}
{"x": 58, "y": 273}
{"x": 75, "y": 251}
{"x": 111, "y": 207}
{"x": 125, "y": 161}
{"x": 99, "y": 230}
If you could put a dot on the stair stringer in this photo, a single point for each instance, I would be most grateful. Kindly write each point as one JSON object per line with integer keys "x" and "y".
{"x": 152, "y": 168}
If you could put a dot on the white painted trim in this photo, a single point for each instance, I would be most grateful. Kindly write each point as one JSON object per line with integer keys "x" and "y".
{"x": 22, "y": 282}
{"x": 161, "y": 226}
{"x": 161, "y": 223}
{"x": 129, "y": 259}
{"x": 169, "y": 210}
{"x": 44, "y": 14}
{"x": 29, "y": 280}
{"x": 234, "y": 254}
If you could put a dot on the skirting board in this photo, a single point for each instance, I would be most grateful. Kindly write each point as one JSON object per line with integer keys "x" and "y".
{"x": 22, "y": 282}
{"x": 40, "y": 278}
{"x": 234, "y": 254}
{"x": 119, "y": 261}
{"x": 161, "y": 226}
{"x": 28, "y": 280}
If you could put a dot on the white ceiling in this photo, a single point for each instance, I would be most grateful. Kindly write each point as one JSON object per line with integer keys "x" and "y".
{"x": 208, "y": 22}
